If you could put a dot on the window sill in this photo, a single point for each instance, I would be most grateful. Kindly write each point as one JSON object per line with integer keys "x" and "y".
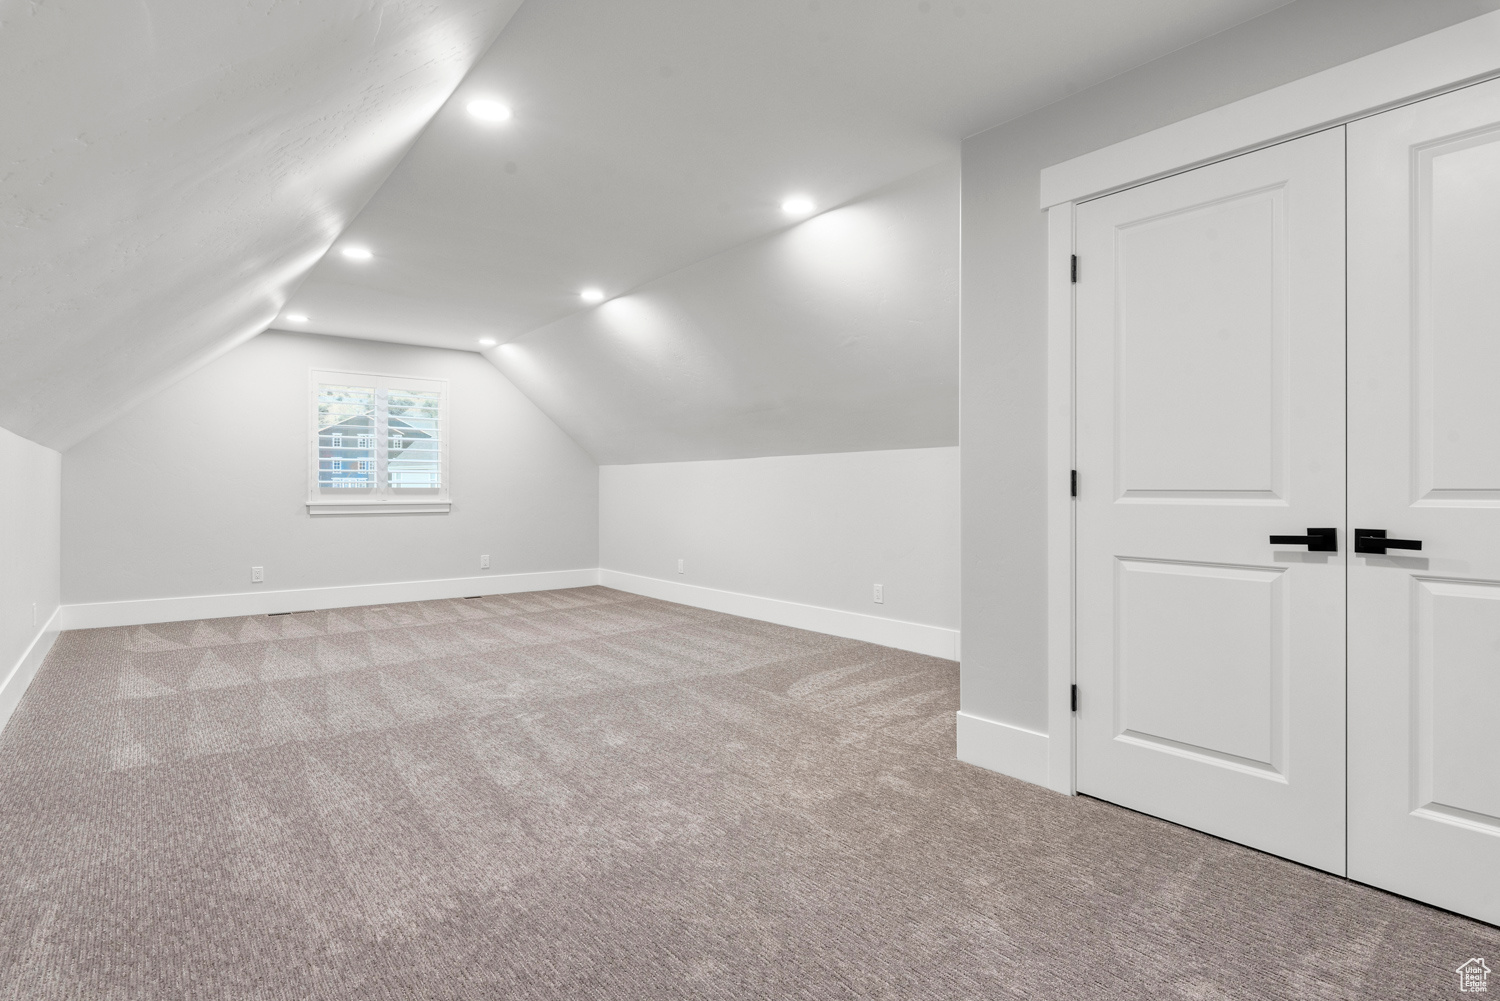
{"x": 378, "y": 507}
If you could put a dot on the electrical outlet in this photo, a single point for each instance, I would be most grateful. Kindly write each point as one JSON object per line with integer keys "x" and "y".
{"x": 880, "y": 594}
{"x": 682, "y": 566}
{"x": 484, "y": 562}
{"x": 257, "y": 575}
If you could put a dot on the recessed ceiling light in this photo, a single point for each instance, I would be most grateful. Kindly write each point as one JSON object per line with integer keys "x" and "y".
{"x": 489, "y": 111}
{"x": 592, "y": 295}
{"x": 797, "y": 205}
{"x": 488, "y": 342}
{"x": 357, "y": 253}
{"x": 296, "y": 318}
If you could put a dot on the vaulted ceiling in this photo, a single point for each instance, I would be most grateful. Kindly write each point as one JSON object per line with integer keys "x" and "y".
{"x": 177, "y": 171}
{"x": 171, "y": 169}
{"x": 838, "y": 334}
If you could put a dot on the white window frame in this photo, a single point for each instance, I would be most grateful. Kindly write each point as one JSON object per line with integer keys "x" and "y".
{"x": 380, "y": 498}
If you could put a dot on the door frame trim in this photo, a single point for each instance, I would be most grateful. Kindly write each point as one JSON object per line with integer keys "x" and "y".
{"x": 1061, "y": 458}
{"x": 1455, "y": 57}
{"x": 1448, "y": 59}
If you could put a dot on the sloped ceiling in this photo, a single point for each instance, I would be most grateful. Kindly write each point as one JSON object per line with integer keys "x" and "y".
{"x": 170, "y": 169}
{"x": 836, "y": 335}
{"x": 651, "y": 145}
{"x": 650, "y": 134}
{"x": 173, "y": 169}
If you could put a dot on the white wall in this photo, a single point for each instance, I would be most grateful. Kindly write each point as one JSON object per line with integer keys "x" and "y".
{"x": 30, "y": 492}
{"x": 183, "y": 494}
{"x": 818, "y": 530}
{"x": 1004, "y": 303}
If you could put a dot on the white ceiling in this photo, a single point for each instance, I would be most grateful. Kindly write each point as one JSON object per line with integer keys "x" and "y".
{"x": 170, "y": 169}
{"x": 651, "y": 134}
{"x": 836, "y": 335}
{"x": 173, "y": 169}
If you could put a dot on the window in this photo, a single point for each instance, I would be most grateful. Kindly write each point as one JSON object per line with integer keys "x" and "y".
{"x": 379, "y": 443}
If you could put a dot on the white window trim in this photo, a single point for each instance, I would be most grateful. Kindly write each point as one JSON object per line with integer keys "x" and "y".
{"x": 319, "y": 503}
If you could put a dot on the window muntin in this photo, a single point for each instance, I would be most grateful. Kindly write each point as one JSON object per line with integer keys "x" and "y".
{"x": 345, "y": 412}
{"x": 378, "y": 441}
{"x": 414, "y": 454}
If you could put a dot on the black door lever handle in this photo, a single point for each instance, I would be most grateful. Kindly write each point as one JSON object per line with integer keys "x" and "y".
{"x": 1317, "y": 540}
{"x": 1374, "y": 542}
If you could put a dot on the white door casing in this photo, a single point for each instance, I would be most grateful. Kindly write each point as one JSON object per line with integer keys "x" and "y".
{"x": 1210, "y": 416}
{"x": 1424, "y": 762}
{"x": 1446, "y": 60}
{"x": 1424, "y": 464}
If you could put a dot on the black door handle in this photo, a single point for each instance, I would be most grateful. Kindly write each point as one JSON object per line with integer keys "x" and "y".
{"x": 1373, "y": 541}
{"x": 1317, "y": 540}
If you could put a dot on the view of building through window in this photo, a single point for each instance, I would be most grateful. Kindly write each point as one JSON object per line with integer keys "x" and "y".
{"x": 351, "y": 420}
{"x": 414, "y": 421}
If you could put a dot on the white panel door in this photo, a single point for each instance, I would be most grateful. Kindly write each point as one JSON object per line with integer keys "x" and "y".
{"x": 1424, "y": 465}
{"x": 1210, "y": 416}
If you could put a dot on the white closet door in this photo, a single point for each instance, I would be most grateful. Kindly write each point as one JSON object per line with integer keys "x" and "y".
{"x": 1424, "y": 465}
{"x": 1210, "y": 388}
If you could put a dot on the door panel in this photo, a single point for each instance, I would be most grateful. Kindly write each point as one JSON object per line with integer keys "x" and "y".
{"x": 1457, "y": 746}
{"x": 1458, "y": 243}
{"x": 1202, "y": 291}
{"x": 1424, "y": 464}
{"x": 1205, "y": 287}
{"x": 1199, "y": 662}
{"x": 1210, "y": 338}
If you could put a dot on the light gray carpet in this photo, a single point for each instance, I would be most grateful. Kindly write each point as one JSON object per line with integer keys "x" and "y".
{"x": 590, "y": 795}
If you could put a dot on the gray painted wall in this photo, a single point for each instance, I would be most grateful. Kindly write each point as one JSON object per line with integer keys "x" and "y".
{"x": 183, "y": 494}
{"x": 30, "y": 505}
{"x": 1004, "y": 302}
{"x": 837, "y": 334}
{"x": 815, "y": 529}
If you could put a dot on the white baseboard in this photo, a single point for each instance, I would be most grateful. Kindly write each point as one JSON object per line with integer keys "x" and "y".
{"x": 932, "y": 640}
{"x": 218, "y": 606}
{"x": 935, "y": 641}
{"x": 1001, "y": 747}
{"x": 14, "y": 685}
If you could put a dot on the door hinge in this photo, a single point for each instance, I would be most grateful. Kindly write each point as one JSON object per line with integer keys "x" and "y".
{"x": 1075, "y": 269}
{"x": 1073, "y": 485}
{"x": 1075, "y": 698}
